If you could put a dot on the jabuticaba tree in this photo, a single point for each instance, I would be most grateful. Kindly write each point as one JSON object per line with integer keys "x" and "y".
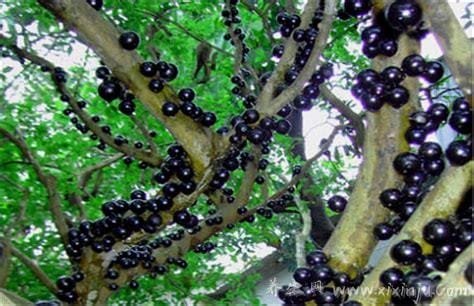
{"x": 209, "y": 167}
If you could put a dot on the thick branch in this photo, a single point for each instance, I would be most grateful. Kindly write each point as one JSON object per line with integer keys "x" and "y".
{"x": 386, "y": 129}
{"x": 441, "y": 202}
{"x": 78, "y": 16}
{"x": 456, "y": 46}
{"x": 93, "y": 264}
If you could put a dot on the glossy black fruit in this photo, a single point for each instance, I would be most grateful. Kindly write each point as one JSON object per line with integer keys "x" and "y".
{"x": 414, "y": 65}
{"x": 337, "y": 203}
{"x": 438, "y": 232}
{"x": 208, "y": 119}
{"x": 148, "y": 69}
{"x": 129, "y": 40}
{"x": 391, "y": 198}
{"x": 96, "y": 4}
{"x": 403, "y": 15}
{"x": 407, "y": 163}
{"x": 303, "y": 275}
{"x": 109, "y": 90}
{"x": 459, "y": 152}
{"x": 461, "y": 122}
{"x": 315, "y": 258}
{"x": 65, "y": 283}
{"x": 392, "y": 278}
{"x": 127, "y": 107}
{"x": 383, "y": 231}
{"x": 186, "y": 95}
{"x": 392, "y": 75}
{"x": 398, "y": 97}
{"x": 156, "y": 85}
{"x": 406, "y": 252}
{"x": 357, "y": 7}
{"x": 430, "y": 151}
{"x": 170, "y": 109}
{"x": 433, "y": 72}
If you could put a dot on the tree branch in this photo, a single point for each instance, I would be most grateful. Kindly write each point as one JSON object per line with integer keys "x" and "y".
{"x": 21, "y": 205}
{"x": 5, "y": 262}
{"x": 354, "y": 119}
{"x": 386, "y": 129}
{"x": 441, "y": 202}
{"x": 149, "y": 158}
{"x": 33, "y": 266}
{"x": 456, "y": 46}
{"x": 291, "y": 47}
{"x": 86, "y": 174}
{"x": 47, "y": 180}
{"x": 455, "y": 280}
{"x": 200, "y": 143}
{"x": 270, "y": 106}
{"x": 144, "y": 130}
{"x": 252, "y": 7}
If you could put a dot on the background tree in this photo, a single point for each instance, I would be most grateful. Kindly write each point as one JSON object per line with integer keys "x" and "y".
{"x": 119, "y": 164}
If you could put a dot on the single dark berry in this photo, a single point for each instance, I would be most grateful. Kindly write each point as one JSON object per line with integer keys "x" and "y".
{"x": 170, "y": 109}
{"x": 303, "y": 275}
{"x": 403, "y": 15}
{"x": 148, "y": 69}
{"x": 156, "y": 85}
{"x": 438, "y": 112}
{"x": 337, "y": 203}
{"x": 433, "y": 72}
{"x": 283, "y": 127}
{"x": 129, "y": 40}
{"x": 406, "y": 252}
{"x": 316, "y": 258}
{"x": 407, "y": 163}
{"x": 102, "y": 72}
{"x": 414, "y": 65}
{"x": 398, "y": 97}
{"x": 392, "y": 75}
{"x": 388, "y": 47}
{"x": 430, "y": 151}
{"x": 127, "y": 107}
{"x": 459, "y": 152}
{"x": 461, "y": 105}
{"x": 438, "y": 232}
{"x": 186, "y": 95}
{"x": 357, "y": 7}
{"x": 133, "y": 285}
{"x": 65, "y": 283}
{"x": 383, "y": 231}
{"x": 109, "y": 90}
{"x": 392, "y": 278}
{"x": 96, "y": 4}
{"x": 461, "y": 122}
